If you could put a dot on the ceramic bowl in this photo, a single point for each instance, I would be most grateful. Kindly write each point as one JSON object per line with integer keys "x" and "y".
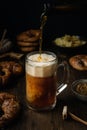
{"x": 79, "y": 89}
{"x": 64, "y": 46}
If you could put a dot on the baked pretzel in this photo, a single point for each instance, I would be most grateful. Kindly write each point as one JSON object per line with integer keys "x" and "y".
{"x": 10, "y": 107}
{"x": 79, "y": 62}
{"x": 9, "y": 69}
{"x": 27, "y": 44}
{"x": 5, "y": 75}
{"x": 31, "y": 35}
{"x": 14, "y": 67}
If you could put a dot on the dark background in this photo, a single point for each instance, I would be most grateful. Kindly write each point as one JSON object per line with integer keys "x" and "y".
{"x": 17, "y": 16}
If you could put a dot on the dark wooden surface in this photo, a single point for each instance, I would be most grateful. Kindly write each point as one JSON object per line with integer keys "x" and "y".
{"x": 16, "y": 18}
{"x": 49, "y": 120}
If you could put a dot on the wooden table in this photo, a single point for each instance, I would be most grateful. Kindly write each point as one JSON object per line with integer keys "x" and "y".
{"x": 50, "y": 120}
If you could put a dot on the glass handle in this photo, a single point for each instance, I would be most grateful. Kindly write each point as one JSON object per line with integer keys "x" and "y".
{"x": 59, "y": 90}
{"x": 65, "y": 78}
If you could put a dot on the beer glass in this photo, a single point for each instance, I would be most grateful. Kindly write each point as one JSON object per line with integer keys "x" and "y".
{"x": 42, "y": 86}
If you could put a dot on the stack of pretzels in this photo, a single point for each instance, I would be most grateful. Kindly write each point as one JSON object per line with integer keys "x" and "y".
{"x": 28, "y": 40}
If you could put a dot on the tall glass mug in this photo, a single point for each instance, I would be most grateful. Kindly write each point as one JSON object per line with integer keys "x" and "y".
{"x": 41, "y": 80}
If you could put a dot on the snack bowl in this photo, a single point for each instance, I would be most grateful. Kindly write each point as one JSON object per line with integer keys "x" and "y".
{"x": 70, "y": 43}
{"x": 79, "y": 89}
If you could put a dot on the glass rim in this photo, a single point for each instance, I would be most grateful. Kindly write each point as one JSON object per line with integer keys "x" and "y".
{"x": 43, "y": 52}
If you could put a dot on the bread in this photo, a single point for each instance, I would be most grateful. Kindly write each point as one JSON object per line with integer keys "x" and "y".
{"x": 79, "y": 62}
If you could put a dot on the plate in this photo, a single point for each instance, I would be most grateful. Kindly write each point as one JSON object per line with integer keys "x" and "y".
{"x": 79, "y": 89}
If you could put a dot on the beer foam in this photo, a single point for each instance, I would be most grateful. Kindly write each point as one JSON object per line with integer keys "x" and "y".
{"x": 43, "y": 65}
{"x": 41, "y": 58}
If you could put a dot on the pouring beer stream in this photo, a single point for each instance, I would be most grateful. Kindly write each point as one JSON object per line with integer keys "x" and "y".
{"x": 43, "y": 22}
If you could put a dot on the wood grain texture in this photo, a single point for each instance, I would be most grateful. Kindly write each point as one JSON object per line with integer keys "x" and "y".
{"x": 49, "y": 120}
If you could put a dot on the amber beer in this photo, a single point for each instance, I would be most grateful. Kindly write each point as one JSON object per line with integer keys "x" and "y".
{"x": 41, "y": 80}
